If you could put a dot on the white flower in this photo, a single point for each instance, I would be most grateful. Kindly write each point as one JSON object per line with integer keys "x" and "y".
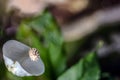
{"x": 19, "y": 61}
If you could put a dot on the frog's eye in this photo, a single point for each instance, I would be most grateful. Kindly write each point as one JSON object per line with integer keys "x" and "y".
{"x": 22, "y": 60}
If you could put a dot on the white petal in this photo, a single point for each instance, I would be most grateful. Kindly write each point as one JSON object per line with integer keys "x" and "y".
{"x": 17, "y": 60}
{"x": 15, "y": 67}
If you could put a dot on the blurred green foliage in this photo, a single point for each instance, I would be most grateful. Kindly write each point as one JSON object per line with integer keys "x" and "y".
{"x": 86, "y": 69}
{"x": 51, "y": 50}
{"x": 44, "y": 34}
{"x": 47, "y": 27}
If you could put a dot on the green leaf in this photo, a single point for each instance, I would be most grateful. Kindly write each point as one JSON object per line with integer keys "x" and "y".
{"x": 10, "y": 76}
{"x": 86, "y": 69}
{"x": 27, "y": 36}
{"x": 46, "y": 26}
{"x": 2, "y": 69}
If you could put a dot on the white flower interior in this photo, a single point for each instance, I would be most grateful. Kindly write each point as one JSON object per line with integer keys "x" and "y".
{"x": 18, "y": 61}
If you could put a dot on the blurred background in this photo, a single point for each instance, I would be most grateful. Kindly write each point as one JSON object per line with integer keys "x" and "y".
{"x": 77, "y": 39}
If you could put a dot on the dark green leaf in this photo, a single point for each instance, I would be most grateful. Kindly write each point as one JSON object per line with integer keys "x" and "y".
{"x": 86, "y": 69}
{"x": 2, "y": 69}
